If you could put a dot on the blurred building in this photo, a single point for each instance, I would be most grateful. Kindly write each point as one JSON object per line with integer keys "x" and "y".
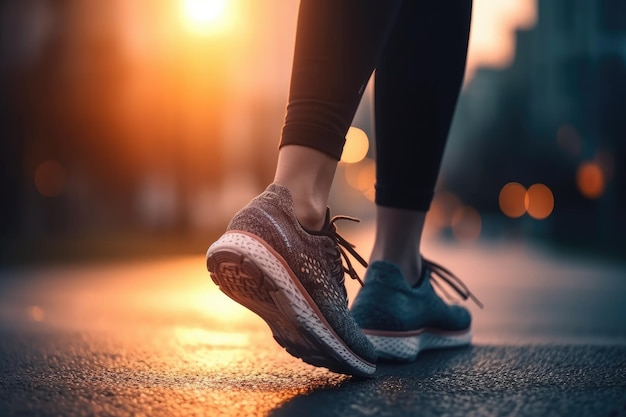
{"x": 124, "y": 116}
{"x": 555, "y": 117}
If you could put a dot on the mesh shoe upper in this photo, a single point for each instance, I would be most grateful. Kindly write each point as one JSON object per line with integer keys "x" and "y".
{"x": 387, "y": 302}
{"x": 314, "y": 258}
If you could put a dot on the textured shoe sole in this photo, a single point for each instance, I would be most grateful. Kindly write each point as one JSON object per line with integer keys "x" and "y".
{"x": 405, "y": 346}
{"x": 250, "y": 272}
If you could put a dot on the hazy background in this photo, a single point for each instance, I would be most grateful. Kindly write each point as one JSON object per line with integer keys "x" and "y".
{"x": 135, "y": 127}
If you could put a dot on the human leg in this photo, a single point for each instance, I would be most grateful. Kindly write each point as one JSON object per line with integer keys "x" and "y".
{"x": 417, "y": 85}
{"x": 416, "y": 88}
{"x": 308, "y": 174}
{"x": 281, "y": 254}
{"x": 338, "y": 44}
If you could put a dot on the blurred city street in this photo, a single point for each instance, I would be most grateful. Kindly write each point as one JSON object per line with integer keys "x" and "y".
{"x": 132, "y": 131}
{"x": 157, "y": 338}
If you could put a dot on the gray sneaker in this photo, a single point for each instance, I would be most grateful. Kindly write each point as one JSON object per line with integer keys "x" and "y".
{"x": 401, "y": 320}
{"x": 294, "y": 280}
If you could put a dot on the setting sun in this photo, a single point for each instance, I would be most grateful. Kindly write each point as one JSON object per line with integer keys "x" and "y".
{"x": 204, "y": 15}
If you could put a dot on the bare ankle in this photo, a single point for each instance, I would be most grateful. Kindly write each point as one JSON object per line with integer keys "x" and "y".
{"x": 310, "y": 215}
{"x": 398, "y": 240}
{"x": 308, "y": 174}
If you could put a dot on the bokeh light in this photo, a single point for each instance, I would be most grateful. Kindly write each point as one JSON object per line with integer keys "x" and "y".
{"x": 606, "y": 161}
{"x": 590, "y": 180}
{"x": 442, "y": 209}
{"x": 539, "y": 201}
{"x": 569, "y": 140}
{"x": 512, "y": 199}
{"x": 466, "y": 224}
{"x": 50, "y": 178}
{"x": 36, "y": 313}
{"x": 356, "y": 146}
{"x": 362, "y": 176}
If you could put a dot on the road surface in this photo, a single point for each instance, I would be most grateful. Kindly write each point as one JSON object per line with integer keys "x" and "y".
{"x": 156, "y": 338}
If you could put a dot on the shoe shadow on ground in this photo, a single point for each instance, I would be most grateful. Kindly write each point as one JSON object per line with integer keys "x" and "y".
{"x": 481, "y": 380}
{"x": 395, "y": 389}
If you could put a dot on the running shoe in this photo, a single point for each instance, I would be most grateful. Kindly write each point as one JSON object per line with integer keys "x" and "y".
{"x": 401, "y": 320}
{"x": 293, "y": 279}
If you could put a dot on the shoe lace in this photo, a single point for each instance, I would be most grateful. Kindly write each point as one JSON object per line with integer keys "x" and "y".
{"x": 340, "y": 250}
{"x": 440, "y": 273}
{"x": 341, "y": 246}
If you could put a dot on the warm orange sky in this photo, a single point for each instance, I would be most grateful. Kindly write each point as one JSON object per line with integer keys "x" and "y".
{"x": 492, "y": 39}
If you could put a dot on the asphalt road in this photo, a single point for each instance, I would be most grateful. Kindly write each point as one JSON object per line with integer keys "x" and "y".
{"x": 156, "y": 338}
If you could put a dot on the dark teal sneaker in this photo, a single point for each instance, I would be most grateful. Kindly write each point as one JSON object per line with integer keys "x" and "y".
{"x": 401, "y": 320}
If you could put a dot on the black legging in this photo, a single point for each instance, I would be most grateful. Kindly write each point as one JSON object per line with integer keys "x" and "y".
{"x": 418, "y": 49}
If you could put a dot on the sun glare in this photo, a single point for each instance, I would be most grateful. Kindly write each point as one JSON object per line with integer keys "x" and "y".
{"x": 204, "y": 15}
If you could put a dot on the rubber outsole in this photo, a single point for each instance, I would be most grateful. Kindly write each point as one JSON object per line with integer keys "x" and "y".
{"x": 251, "y": 273}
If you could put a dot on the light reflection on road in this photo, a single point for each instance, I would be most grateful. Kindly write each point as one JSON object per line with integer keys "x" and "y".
{"x": 530, "y": 294}
{"x": 162, "y": 329}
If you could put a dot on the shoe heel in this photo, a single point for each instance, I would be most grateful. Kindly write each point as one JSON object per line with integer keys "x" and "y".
{"x": 240, "y": 279}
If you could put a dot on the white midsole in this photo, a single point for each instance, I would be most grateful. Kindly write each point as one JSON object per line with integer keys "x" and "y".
{"x": 406, "y": 348}
{"x": 254, "y": 250}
